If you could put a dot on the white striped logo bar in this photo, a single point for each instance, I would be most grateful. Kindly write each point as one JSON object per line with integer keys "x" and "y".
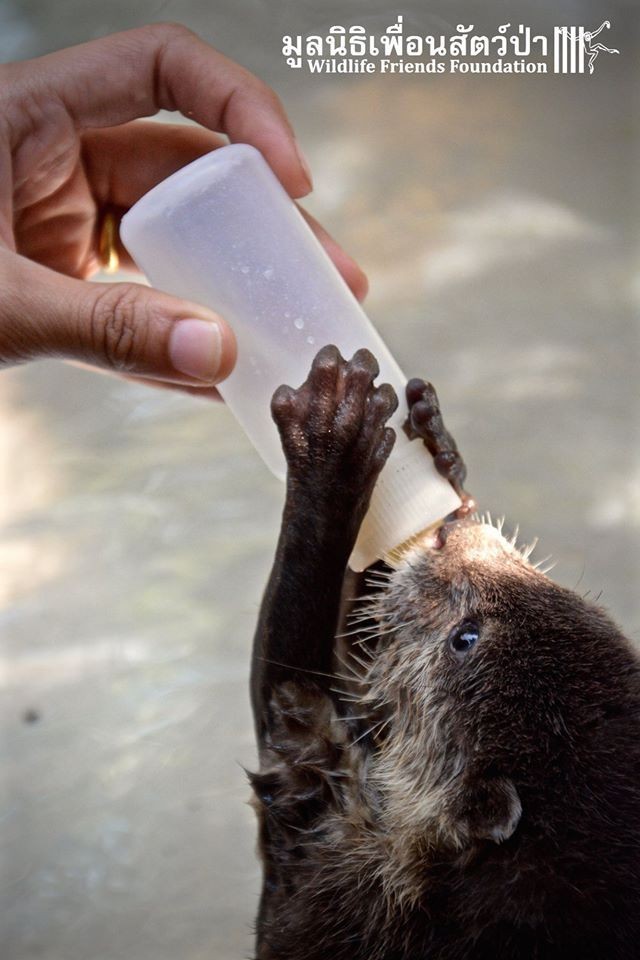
{"x": 568, "y": 49}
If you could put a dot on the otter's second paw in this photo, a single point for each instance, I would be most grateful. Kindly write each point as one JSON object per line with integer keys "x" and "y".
{"x": 333, "y": 427}
{"x": 425, "y": 421}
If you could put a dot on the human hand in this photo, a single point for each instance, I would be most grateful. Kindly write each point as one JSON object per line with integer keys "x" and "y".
{"x": 71, "y": 148}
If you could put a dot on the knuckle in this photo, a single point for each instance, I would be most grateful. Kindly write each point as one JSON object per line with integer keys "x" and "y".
{"x": 269, "y": 97}
{"x": 20, "y": 338}
{"x": 364, "y": 360}
{"x": 423, "y": 413}
{"x": 429, "y": 394}
{"x": 282, "y": 401}
{"x": 446, "y": 458}
{"x": 325, "y": 365}
{"x": 170, "y": 30}
{"x": 347, "y": 420}
{"x": 117, "y": 327}
{"x": 327, "y": 358}
{"x": 414, "y": 390}
{"x": 377, "y": 408}
{"x": 7, "y": 75}
{"x": 359, "y": 376}
{"x": 386, "y": 446}
{"x": 391, "y": 396}
{"x": 385, "y": 399}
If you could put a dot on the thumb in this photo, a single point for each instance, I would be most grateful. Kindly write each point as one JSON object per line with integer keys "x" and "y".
{"x": 125, "y": 327}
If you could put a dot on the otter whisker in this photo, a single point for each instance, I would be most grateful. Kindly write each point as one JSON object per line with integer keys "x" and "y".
{"x": 364, "y": 629}
{"x": 348, "y": 666}
{"x": 526, "y": 552}
{"x": 362, "y": 663}
{"x": 355, "y": 619}
{"x": 365, "y": 716}
{"x": 384, "y": 633}
{"x": 361, "y": 615}
{"x": 365, "y": 596}
{"x": 355, "y": 677}
{"x": 346, "y": 697}
{"x": 378, "y": 586}
{"x": 350, "y": 633}
{"x": 376, "y": 726}
{"x": 288, "y": 666}
{"x": 379, "y": 575}
{"x": 349, "y": 693}
{"x": 352, "y": 678}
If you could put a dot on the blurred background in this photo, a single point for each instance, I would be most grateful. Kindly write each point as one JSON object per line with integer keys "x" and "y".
{"x": 496, "y": 219}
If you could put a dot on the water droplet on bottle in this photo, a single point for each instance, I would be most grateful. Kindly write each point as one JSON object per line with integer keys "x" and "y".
{"x": 298, "y": 323}
{"x": 268, "y": 273}
{"x": 311, "y": 340}
{"x": 244, "y": 268}
{"x": 287, "y": 314}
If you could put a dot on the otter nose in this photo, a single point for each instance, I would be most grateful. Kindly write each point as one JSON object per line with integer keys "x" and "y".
{"x": 443, "y": 532}
{"x": 460, "y": 517}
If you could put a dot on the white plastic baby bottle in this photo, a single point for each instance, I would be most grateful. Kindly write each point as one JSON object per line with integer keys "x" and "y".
{"x": 223, "y": 232}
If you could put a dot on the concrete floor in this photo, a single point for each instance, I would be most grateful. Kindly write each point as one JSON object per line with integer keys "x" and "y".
{"x": 494, "y": 217}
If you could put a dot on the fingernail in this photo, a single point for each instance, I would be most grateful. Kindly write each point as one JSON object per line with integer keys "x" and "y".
{"x": 361, "y": 285}
{"x": 195, "y": 349}
{"x": 304, "y": 163}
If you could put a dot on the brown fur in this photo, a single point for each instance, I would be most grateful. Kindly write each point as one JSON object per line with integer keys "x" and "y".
{"x": 420, "y": 804}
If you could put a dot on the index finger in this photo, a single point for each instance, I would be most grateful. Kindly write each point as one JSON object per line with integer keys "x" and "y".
{"x": 133, "y": 74}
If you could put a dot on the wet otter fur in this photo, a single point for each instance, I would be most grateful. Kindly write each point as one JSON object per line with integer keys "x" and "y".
{"x": 464, "y": 782}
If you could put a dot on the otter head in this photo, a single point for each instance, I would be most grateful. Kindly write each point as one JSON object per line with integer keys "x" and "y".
{"x": 499, "y": 697}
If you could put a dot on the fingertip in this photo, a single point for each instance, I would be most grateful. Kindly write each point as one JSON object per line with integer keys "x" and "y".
{"x": 256, "y": 116}
{"x": 228, "y": 351}
{"x": 282, "y": 400}
{"x": 287, "y": 160}
{"x": 415, "y": 390}
{"x": 201, "y": 346}
{"x": 306, "y": 184}
{"x": 358, "y": 282}
{"x": 420, "y": 414}
{"x": 352, "y": 274}
{"x": 391, "y": 397}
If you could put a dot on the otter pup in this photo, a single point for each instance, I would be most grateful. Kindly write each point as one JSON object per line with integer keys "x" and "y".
{"x": 466, "y": 783}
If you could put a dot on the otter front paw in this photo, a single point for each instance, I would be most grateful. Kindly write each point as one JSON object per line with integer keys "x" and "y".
{"x": 333, "y": 428}
{"x": 425, "y": 421}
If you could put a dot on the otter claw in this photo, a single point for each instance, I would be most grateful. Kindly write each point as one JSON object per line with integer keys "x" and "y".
{"x": 425, "y": 421}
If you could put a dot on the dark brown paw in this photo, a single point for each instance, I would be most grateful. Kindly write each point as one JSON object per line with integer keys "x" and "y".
{"x": 333, "y": 427}
{"x": 425, "y": 421}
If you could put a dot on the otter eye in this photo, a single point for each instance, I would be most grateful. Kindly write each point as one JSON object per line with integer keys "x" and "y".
{"x": 464, "y": 637}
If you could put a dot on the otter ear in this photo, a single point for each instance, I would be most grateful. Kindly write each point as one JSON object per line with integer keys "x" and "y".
{"x": 488, "y": 809}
